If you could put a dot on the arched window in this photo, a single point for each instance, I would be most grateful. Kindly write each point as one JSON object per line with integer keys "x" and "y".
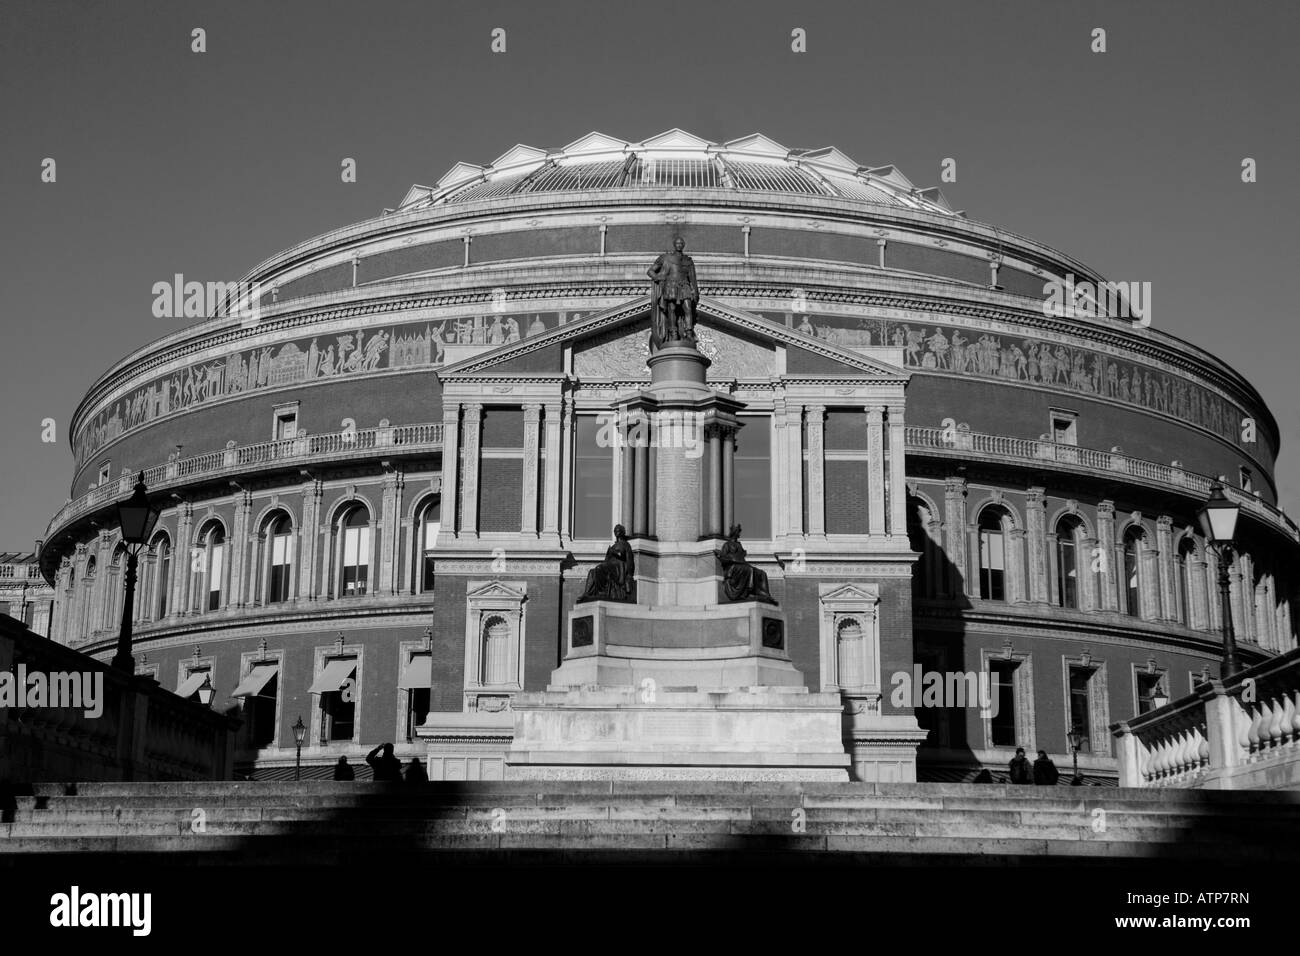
{"x": 1067, "y": 561}
{"x": 993, "y": 556}
{"x": 1134, "y": 540}
{"x": 162, "y": 578}
{"x": 207, "y": 564}
{"x": 356, "y": 552}
{"x": 850, "y": 647}
{"x": 1186, "y": 555}
{"x": 496, "y": 651}
{"x": 430, "y": 523}
{"x": 279, "y": 557}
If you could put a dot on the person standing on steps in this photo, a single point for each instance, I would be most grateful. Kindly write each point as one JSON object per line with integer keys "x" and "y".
{"x": 1020, "y": 772}
{"x": 1045, "y": 772}
{"x": 387, "y": 768}
{"x": 415, "y": 772}
{"x": 343, "y": 770}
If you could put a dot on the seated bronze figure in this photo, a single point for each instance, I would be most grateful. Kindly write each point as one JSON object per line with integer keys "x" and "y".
{"x": 613, "y": 579}
{"x": 741, "y": 581}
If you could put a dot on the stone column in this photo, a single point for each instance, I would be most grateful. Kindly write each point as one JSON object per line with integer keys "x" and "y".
{"x": 1198, "y": 612}
{"x": 239, "y": 543}
{"x": 1149, "y": 582}
{"x": 309, "y": 533}
{"x": 1165, "y": 568}
{"x": 897, "y": 473}
{"x": 1246, "y": 598}
{"x": 954, "y": 523}
{"x": 1017, "y": 592}
{"x": 532, "y": 428}
{"x": 469, "y": 505}
{"x": 1089, "y": 599}
{"x": 876, "y": 472}
{"x": 1106, "y": 543}
{"x": 77, "y": 606}
{"x": 1240, "y": 623}
{"x": 451, "y": 469}
{"x": 551, "y": 489}
{"x": 714, "y": 481}
{"x": 624, "y": 475}
{"x": 182, "y": 560}
{"x": 566, "y": 470}
{"x": 59, "y": 609}
{"x": 390, "y": 512}
{"x": 101, "y": 597}
{"x": 816, "y": 470}
{"x": 640, "y": 484}
{"x": 728, "y": 479}
{"x": 780, "y": 470}
{"x": 1213, "y": 601}
{"x": 1036, "y": 545}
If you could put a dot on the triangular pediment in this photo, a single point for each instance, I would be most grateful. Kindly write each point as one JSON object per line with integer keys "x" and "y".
{"x": 595, "y": 142}
{"x": 849, "y": 593}
{"x": 461, "y": 172}
{"x": 743, "y": 345}
{"x": 831, "y": 158}
{"x": 676, "y": 139}
{"x": 756, "y": 144}
{"x": 517, "y": 155}
{"x": 493, "y": 590}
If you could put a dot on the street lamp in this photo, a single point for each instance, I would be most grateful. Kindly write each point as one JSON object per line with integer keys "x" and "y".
{"x": 1218, "y": 518}
{"x": 299, "y": 735}
{"x": 205, "y": 691}
{"x": 1075, "y": 740}
{"x": 136, "y": 518}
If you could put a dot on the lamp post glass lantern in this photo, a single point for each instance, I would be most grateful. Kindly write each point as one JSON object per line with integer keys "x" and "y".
{"x": 136, "y": 518}
{"x": 1218, "y": 517}
{"x": 299, "y": 735}
{"x": 206, "y": 690}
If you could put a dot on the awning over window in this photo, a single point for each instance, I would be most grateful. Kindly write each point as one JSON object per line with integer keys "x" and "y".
{"x": 333, "y": 676}
{"x": 257, "y": 679}
{"x": 418, "y": 674}
{"x": 190, "y": 686}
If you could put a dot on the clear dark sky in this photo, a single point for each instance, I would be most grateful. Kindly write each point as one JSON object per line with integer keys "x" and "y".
{"x": 204, "y": 164}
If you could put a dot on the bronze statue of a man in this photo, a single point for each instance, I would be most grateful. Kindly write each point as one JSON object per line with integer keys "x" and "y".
{"x": 673, "y": 294}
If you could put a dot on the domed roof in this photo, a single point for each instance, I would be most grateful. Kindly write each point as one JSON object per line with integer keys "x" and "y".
{"x": 676, "y": 159}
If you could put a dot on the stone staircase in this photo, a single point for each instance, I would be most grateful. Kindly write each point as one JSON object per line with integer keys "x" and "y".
{"x": 662, "y": 822}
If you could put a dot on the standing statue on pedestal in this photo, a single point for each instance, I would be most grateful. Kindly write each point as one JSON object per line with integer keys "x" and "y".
{"x": 613, "y": 579}
{"x": 673, "y": 294}
{"x": 741, "y": 581}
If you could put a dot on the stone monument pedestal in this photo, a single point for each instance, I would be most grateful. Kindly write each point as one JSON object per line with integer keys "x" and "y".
{"x": 630, "y": 733}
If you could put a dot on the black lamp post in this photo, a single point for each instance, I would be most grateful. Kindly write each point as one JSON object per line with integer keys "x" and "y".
{"x": 136, "y": 518}
{"x": 1075, "y": 739}
{"x": 1219, "y": 523}
{"x": 299, "y": 735}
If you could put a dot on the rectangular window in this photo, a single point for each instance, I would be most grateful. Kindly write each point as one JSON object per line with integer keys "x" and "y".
{"x": 260, "y": 713}
{"x": 338, "y": 707}
{"x": 104, "y": 472}
{"x": 846, "y": 472}
{"x": 431, "y": 528}
{"x": 753, "y": 477}
{"x": 281, "y": 559}
{"x": 993, "y": 566}
{"x": 1067, "y": 580}
{"x": 1245, "y": 479}
{"x": 285, "y": 422}
{"x": 593, "y": 483}
{"x": 1064, "y": 430}
{"x": 1002, "y": 729}
{"x": 1080, "y": 715}
{"x": 356, "y": 560}
{"x": 214, "y": 577}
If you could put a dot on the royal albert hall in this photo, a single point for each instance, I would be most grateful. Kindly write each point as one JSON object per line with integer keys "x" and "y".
{"x": 384, "y": 482}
